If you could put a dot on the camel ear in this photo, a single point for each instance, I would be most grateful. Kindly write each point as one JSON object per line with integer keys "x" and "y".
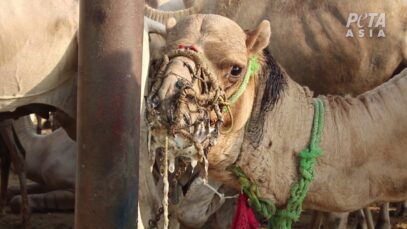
{"x": 259, "y": 38}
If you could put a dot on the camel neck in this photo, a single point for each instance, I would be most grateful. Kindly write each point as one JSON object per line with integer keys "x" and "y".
{"x": 360, "y": 133}
{"x": 275, "y": 137}
{"x": 291, "y": 113}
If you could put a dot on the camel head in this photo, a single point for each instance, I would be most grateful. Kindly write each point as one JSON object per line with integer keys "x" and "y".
{"x": 194, "y": 98}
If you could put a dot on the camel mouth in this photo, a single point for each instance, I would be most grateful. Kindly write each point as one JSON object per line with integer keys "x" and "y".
{"x": 179, "y": 146}
{"x": 190, "y": 114}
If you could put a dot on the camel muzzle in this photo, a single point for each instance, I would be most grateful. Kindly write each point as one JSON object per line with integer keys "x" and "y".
{"x": 185, "y": 104}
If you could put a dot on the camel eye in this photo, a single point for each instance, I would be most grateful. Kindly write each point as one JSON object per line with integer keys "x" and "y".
{"x": 236, "y": 70}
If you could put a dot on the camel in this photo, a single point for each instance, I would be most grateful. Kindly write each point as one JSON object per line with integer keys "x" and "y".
{"x": 355, "y": 138}
{"x": 50, "y": 163}
{"x": 318, "y": 29}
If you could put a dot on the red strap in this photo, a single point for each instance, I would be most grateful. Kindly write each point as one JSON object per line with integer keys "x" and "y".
{"x": 244, "y": 216}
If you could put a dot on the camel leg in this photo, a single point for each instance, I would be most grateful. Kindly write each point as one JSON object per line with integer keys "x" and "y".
{"x": 31, "y": 189}
{"x": 400, "y": 209}
{"x": 39, "y": 124}
{"x": 25, "y": 211}
{"x": 368, "y": 218}
{"x": 5, "y": 170}
{"x": 404, "y": 207}
{"x": 357, "y": 220}
{"x": 316, "y": 221}
{"x": 16, "y": 155}
{"x": 61, "y": 200}
{"x": 336, "y": 220}
{"x": 384, "y": 218}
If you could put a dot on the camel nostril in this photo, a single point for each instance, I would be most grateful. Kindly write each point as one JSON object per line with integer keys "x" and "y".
{"x": 179, "y": 84}
{"x": 156, "y": 102}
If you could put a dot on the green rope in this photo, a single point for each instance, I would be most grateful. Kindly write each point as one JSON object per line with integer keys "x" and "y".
{"x": 283, "y": 218}
{"x": 254, "y": 66}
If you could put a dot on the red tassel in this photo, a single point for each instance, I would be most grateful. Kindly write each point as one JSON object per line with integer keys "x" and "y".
{"x": 244, "y": 216}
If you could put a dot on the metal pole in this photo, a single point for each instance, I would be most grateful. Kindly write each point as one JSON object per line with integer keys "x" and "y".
{"x": 110, "y": 50}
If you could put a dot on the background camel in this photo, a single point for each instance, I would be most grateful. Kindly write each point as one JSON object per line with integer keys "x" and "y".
{"x": 50, "y": 162}
{"x": 38, "y": 64}
{"x": 315, "y": 33}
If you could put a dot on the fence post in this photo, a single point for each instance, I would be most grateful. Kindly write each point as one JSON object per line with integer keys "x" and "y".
{"x": 110, "y": 51}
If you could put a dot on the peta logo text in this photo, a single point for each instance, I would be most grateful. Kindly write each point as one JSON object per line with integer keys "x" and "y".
{"x": 366, "y": 25}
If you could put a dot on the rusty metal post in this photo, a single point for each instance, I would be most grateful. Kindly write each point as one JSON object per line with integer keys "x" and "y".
{"x": 110, "y": 51}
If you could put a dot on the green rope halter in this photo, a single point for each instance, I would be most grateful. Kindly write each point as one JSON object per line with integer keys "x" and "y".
{"x": 254, "y": 66}
{"x": 283, "y": 218}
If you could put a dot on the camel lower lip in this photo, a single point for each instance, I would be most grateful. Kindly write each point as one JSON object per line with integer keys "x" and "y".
{"x": 180, "y": 146}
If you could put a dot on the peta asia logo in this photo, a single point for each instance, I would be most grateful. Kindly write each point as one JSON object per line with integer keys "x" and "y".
{"x": 366, "y": 25}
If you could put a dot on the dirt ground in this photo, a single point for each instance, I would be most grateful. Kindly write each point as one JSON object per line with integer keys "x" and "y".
{"x": 64, "y": 220}
{"x": 48, "y": 220}
{"x": 39, "y": 221}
